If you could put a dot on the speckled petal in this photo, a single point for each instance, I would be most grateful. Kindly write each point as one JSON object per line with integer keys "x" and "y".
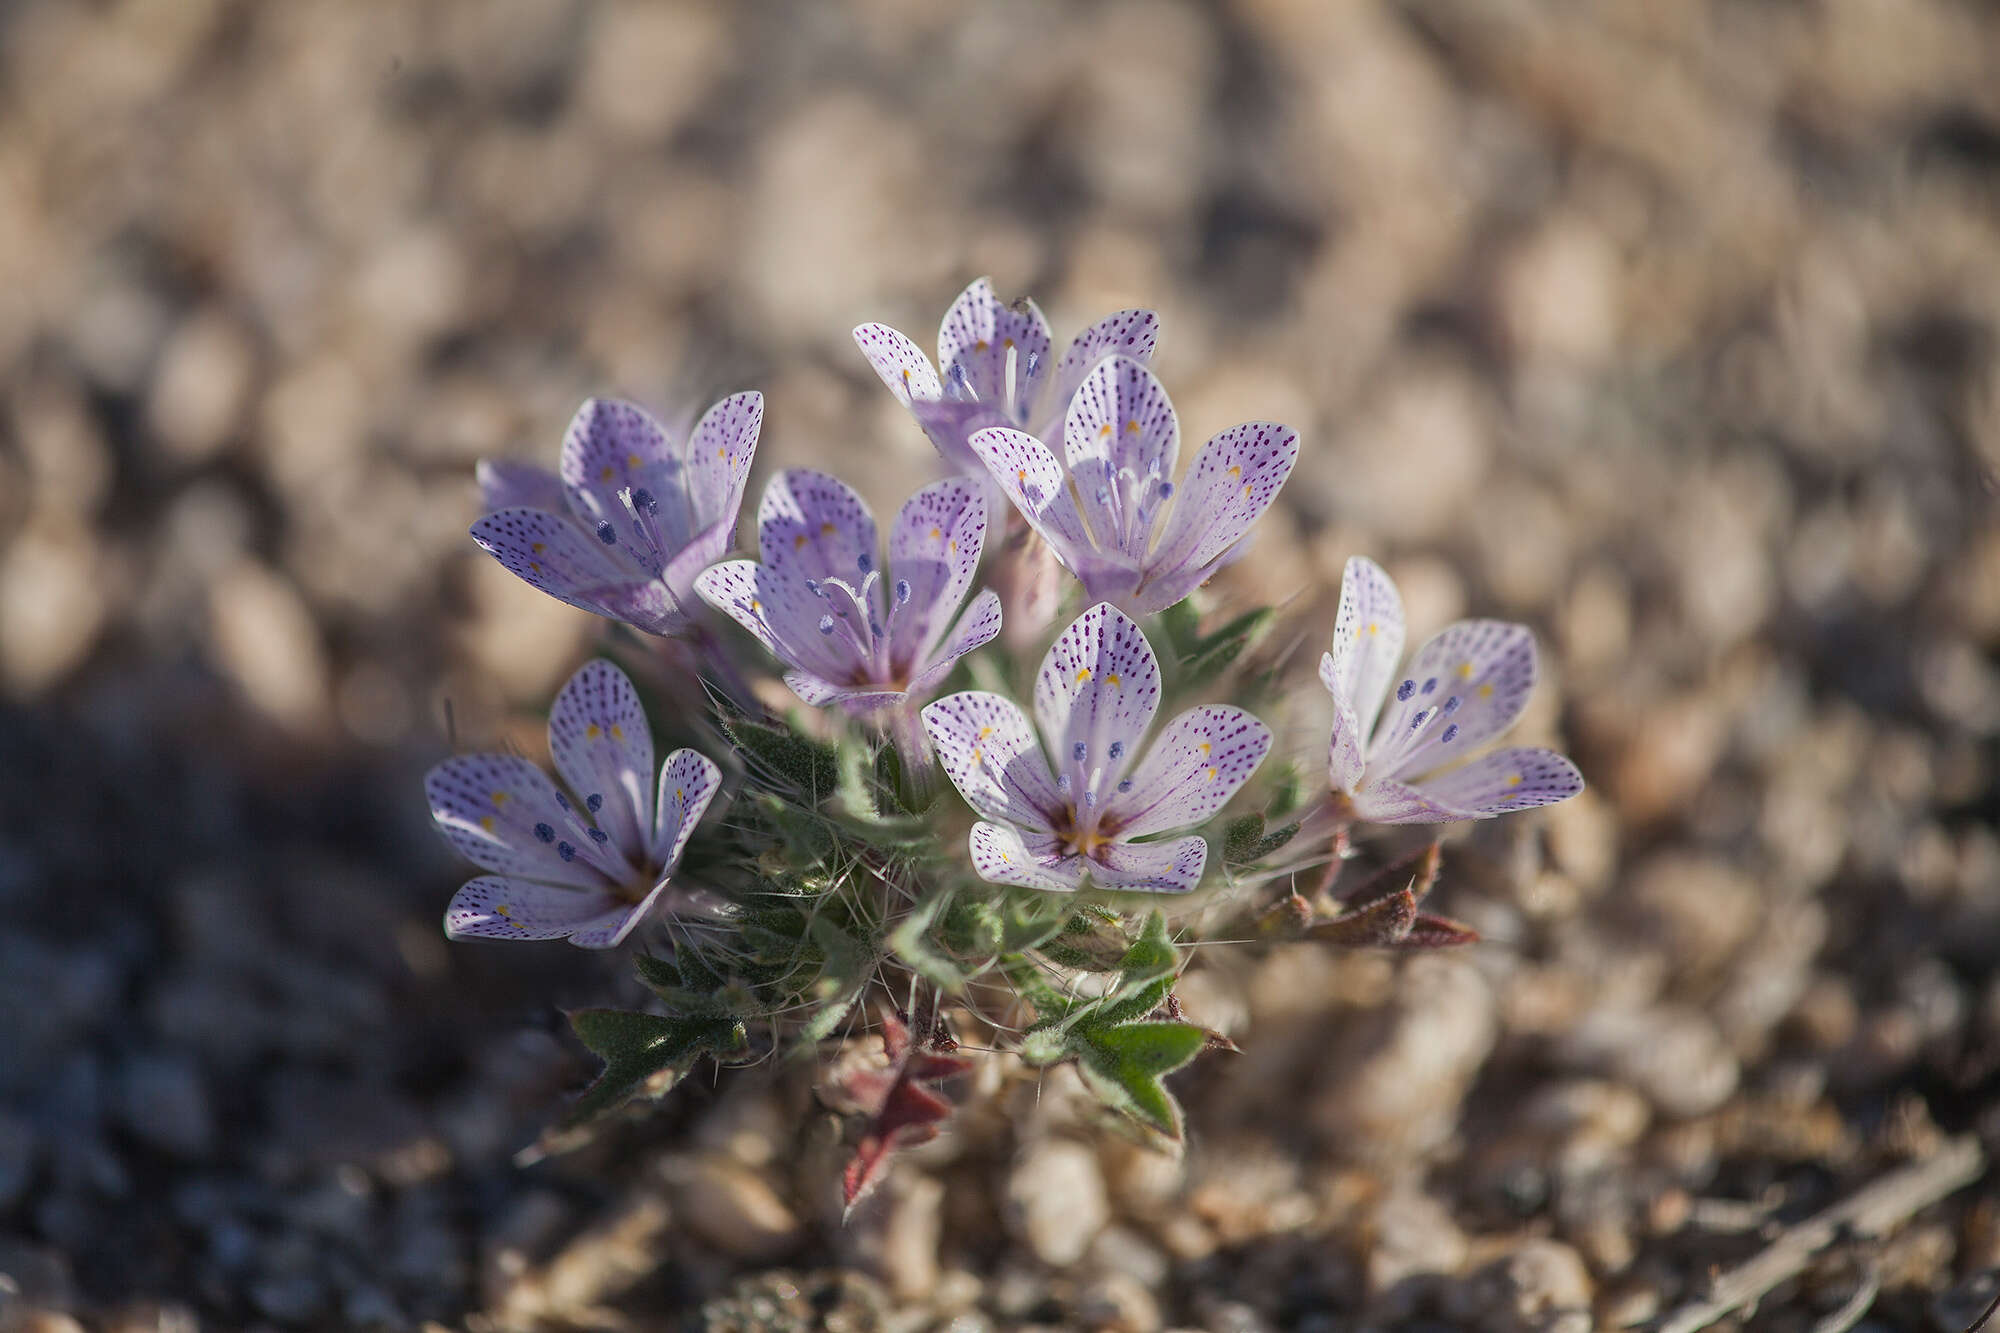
{"x": 1517, "y": 778}
{"x": 703, "y": 549}
{"x": 1151, "y": 867}
{"x": 720, "y": 450}
{"x": 1128, "y": 333}
{"x": 781, "y": 613}
{"x": 504, "y": 815}
{"x": 1465, "y": 686}
{"x": 813, "y": 526}
{"x": 1387, "y": 801}
{"x": 1347, "y": 753}
{"x": 496, "y": 907}
{"x": 604, "y": 750}
{"x": 551, "y": 554}
{"x": 1367, "y": 641}
{"x": 1096, "y": 694}
{"x": 856, "y": 700}
{"x": 1002, "y": 854}
{"x": 610, "y": 930}
{"x": 688, "y": 782}
{"x": 1039, "y": 488}
{"x": 987, "y": 748}
{"x": 1232, "y": 482}
{"x": 934, "y": 548}
{"x": 1198, "y": 761}
{"x": 979, "y": 338}
{"x": 507, "y": 484}
{"x": 976, "y": 627}
{"x": 613, "y": 446}
{"x": 900, "y": 362}
{"x": 1121, "y": 439}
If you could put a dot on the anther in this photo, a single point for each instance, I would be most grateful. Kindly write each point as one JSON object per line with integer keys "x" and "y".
{"x": 1166, "y": 490}
{"x": 1125, "y": 785}
{"x": 826, "y": 624}
{"x": 812, "y": 586}
{"x": 593, "y": 802}
{"x": 599, "y": 836}
{"x": 1450, "y": 734}
{"x": 1063, "y": 783}
{"x": 565, "y": 851}
{"x": 643, "y": 500}
{"x": 607, "y": 534}
{"x": 545, "y": 833}
{"x": 1078, "y": 751}
{"x": 1118, "y": 749}
{"x": 864, "y": 562}
{"x": 1430, "y": 684}
{"x": 1406, "y": 689}
{"x": 902, "y": 592}
{"x": 1451, "y": 705}
{"x": 1418, "y": 720}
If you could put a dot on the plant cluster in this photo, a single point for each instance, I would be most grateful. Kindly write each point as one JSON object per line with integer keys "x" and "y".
{"x": 881, "y": 873}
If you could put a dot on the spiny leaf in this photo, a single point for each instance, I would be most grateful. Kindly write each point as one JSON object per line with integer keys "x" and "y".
{"x": 1215, "y": 654}
{"x": 638, "y": 1049}
{"x": 1437, "y": 932}
{"x": 1417, "y": 872}
{"x": 1383, "y": 921}
{"x": 808, "y": 766}
{"x": 1124, "y": 1064}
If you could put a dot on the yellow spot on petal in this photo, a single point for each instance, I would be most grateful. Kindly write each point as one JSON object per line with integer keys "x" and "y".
{"x": 617, "y": 732}
{"x": 1008, "y": 344}
{"x": 1486, "y": 691}
{"x": 680, "y": 793}
{"x": 538, "y": 547}
{"x": 593, "y": 731}
{"x": 1104, "y": 430}
{"x": 798, "y": 542}
{"x": 936, "y": 533}
{"x": 981, "y": 345}
{"x": 1115, "y": 679}
{"x": 1246, "y": 488}
{"x": 1207, "y": 748}
{"x": 504, "y": 910}
{"x": 1132, "y": 426}
{"x": 827, "y": 529}
{"x": 1464, "y": 670}
{"x": 906, "y": 374}
{"x": 486, "y": 822}
{"x": 1020, "y": 474}
{"x": 631, "y": 460}
{"x": 1082, "y": 675}
{"x": 1374, "y": 628}
{"x": 722, "y": 451}
{"x": 954, "y": 546}
{"x": 535, "y": 565}
{"x": 501, "y": 798}
{"x": 607, "y": 473}
{"x": 1211, "y": 775}
{"x": 1514, "y": 780}
{"x": 1235, "y": 469}
{"x": 1008, "y": 859}
{"x": 984, "y": 732}
{"x": 977, "y": 754}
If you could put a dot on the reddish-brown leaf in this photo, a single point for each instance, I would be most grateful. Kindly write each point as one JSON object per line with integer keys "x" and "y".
{"x": 902, "y": 1111}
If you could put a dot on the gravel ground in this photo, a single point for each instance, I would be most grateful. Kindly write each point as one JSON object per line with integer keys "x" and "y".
{"x": 1673, "y": 331}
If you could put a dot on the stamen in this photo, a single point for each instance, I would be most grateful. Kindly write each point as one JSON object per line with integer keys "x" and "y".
{"x": 812, "y": 586}
{"x": 1451, "y": 705}
{"x": 599, "y": 836}
{"x": 545, "y": 833}
{"x": 902, "y": 591}
{"x": 607, "y": 534}
{"x": 1078, "y": 751}
{"x": 826, "y": 624}
{"x": 1450, "y": 734}
{"x": 1125, "y": 785}
{"x": 593, "y": 802}
{"x": 1405, "y": 690}
{"x": 643, "y": 499}
{"x": 1118, "y": 749}
{"x": 864, "y": 562}
{"x": 565, "y": 851}
{"x": 1430, "y": 684}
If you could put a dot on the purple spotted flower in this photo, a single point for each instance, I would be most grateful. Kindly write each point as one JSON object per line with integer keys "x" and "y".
{"x": 1100, "y": 506}
{"x": 1467, "y": 685}
{"x": 632, "y": 518}
{"x": 994, "y": 368}
{"x": 1094, "y": 700}
{"x": 853, "y": 630}
{"x": 586, "y": 867}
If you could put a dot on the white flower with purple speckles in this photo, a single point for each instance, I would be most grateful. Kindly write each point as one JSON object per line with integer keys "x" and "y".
{"x": 1094, "y": 700}
{"x": 853, "y": 632}
{"x": 1098, "y": 507}
{"x": 993, "y": 368}
{"x": 1464, "y": 687}
{"x": 632, "y": 518}
{"x": 587, "y": 869}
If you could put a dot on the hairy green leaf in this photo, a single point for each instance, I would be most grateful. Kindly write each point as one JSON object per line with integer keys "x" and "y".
{"x": 644, "y": 1052}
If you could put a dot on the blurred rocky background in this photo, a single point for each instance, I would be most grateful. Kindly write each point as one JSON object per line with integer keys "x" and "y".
{"x": 1673, "y": 330}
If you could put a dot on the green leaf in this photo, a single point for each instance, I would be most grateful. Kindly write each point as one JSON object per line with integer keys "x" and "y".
{"x": 1240, "y": 838}
{"x": 1216, "y": 653}
{"x": 808, "y": 766}
{"x": 911, "y": 941}
{"x": 1123, "y": 1065}
{"x": 644, "y": 1052}
{"x": 1145, "y": 975}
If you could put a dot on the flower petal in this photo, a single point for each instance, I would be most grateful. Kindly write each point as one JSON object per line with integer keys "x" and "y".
{"x": 1465, "y": 686}
{"x": 1096, "y": 694}
{"x": 1367, "y": 641}
{"x": 553, "y": 555}
{"x": 814, "y": 526}
{"x": 1150, "y": 867}
{"x": 856, "y": 700}
{"x": 507, "y": 484}
{"x": 1002, "y": 855}
{"x": 1121, "y": 439}
{"x": 703, "y": 549}
{"x": 499, "y": 908}
{"x": 613, "y": 446}
{"x": 504, "y": 815}
{"x": 1387, "y": 801}
{"x": 688, "y": 782}
{"x": 610, "y": 930}
{"x": 720, "y": 450}
{"x": 1233, "y": 481}
{"x": 900, "y": 362}
{"x": 1517, "y": 778}
{"x": 781, "y": 613}
{"x": 982, "y": 342}
{"x": 604, "y": 750}
{"x": 1128, "y": 333}
{"x": 987, "y": 748}
{"x": 934, "y": 548}
{"x": 1039, "y": 488}
{"x": 1196, "y": 763}
{"x": 1347, "y": 754}
{"x": 977, "y": 626}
